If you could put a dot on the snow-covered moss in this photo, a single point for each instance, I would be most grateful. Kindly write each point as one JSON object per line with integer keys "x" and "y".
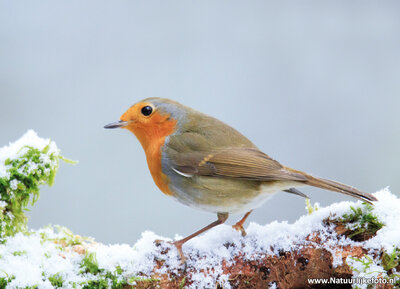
{"x": 359, "y": 224}
{"x": 24, "y": 166}
{"x": 373, "y": 269}
{"x": 53, "y": 257}
{"x": 378, "y": 228}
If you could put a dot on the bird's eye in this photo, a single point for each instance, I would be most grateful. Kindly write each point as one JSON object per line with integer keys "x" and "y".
{"x": 147, "y": 110}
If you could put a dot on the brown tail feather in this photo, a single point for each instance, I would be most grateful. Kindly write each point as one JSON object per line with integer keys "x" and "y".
{"x": 338, "y": 187}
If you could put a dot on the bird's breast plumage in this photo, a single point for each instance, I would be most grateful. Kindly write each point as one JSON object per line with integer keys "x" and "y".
{"x": 154, "y": 161}
{"x": 153, "y": 139}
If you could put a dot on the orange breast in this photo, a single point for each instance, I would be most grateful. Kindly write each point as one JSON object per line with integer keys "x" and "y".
{"x": 153, "y": 156}
{"x": 152, "y": 136}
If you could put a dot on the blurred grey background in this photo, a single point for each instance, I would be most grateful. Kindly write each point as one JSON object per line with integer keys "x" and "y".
{"x": 314, "y": 84}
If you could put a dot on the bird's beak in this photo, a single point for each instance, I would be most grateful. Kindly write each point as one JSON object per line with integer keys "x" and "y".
{"x": 117, "y": 124}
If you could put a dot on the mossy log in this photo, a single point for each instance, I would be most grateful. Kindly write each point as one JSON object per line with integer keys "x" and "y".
{"x": 288, "y": 269}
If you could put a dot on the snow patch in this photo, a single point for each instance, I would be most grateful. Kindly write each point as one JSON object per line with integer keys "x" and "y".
{"x": 18, "y": 148}
{"x": 30, "y": 257}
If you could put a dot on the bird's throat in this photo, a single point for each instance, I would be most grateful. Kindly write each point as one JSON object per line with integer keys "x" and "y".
{"x": 152, "y": 139}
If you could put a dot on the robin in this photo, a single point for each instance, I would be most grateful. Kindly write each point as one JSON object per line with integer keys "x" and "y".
{"x": 206, "y": 164}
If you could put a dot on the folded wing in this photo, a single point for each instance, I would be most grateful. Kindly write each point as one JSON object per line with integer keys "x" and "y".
{"x": 242, "y": 163}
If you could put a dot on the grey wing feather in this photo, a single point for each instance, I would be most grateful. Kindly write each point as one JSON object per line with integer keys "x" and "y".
{"x": 296, "y": 192}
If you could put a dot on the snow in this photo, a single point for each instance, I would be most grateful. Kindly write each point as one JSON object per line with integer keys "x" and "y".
{"x": 2, "y": 205}
{"x": 44, "y": 256}
{"x": 389, "y": 213}
{"x": 272, "y": 286}
{"x": 18, "y": 148}
{"x": 14, "y": 184}
{"x": 27, "y": 256}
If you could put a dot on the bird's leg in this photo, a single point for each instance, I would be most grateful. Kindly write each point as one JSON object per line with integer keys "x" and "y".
{"x": 239, "y": 225}
{"x": 178, "y": 244}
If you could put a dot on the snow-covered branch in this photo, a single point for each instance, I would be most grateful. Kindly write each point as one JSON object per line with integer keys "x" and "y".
{"x": 345, "y": 240}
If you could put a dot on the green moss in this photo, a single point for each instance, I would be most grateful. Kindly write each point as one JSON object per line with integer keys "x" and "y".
{"x": 102, "y": 279}
{"x": 182, "y": 284}
{"x": 392, "y": 260}
{"x": 56, "y": 280}
{"x": 388, "y": 264}
{"x": 19, "y": 253}
{"x": 361, "y": 222}
{"x": 142, "y": 279}
{"x": 116, "y": 283}
{"x": 118, "y": 270}
{"x": 107, "y": 280}
{"x": 89, "y": 264}
{"x": 391, "y": 263}
{"x": 4, "y": 281}
{"x": 20, "y": 188}
{"x": 96, "y": 284}
{"x": 310, "y": 208}
{"x": 366, "y": 263}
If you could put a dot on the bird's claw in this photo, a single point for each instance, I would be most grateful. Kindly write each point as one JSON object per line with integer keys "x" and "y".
{"x": 178, "y": 246}
{"x": 240, "y": 228}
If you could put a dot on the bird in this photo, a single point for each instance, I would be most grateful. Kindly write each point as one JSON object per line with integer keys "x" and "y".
{"x": 206, "y": 164}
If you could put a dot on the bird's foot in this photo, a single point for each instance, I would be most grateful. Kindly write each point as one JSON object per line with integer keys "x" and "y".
{"x": 178, "y": 245}
{"x": 239, "y": 227}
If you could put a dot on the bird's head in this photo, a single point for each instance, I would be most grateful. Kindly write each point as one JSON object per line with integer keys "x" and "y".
{"x": 151, "y": 119}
